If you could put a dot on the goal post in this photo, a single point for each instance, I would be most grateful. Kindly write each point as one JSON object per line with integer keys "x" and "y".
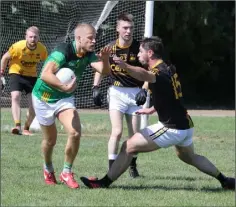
{"x": 149, "y": 13}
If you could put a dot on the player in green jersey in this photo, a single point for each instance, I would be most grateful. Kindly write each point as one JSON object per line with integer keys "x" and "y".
{"x": 52, "y": 99}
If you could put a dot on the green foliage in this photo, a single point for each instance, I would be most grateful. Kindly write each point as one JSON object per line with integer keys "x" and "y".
{"x": 199, "y": 39}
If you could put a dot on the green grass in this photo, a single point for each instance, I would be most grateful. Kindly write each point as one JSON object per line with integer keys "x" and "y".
{"x": 165, "y": 180}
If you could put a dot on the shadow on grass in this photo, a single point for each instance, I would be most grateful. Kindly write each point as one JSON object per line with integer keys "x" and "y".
{"x": 171, "y": 188}
{"x": 180, "y": 178}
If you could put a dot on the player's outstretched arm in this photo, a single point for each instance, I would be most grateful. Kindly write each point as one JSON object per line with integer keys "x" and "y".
{"x": 4, "y": 61}
{"x": 136, "y": 72}
{"x": 146, "y": 111}
{"x": 97, "y": 79}
{"x": 103, "y": 66}
{"x": 49, "y": 77}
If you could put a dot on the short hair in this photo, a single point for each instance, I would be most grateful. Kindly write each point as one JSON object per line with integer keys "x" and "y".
{"x": 33, "y": 29}
{"x": 82, "y": 26}
{"x": 155, "y": 44}
{"x": 125, "y": 17}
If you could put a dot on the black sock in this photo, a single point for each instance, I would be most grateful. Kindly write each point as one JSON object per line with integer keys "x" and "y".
{"x": 110, "y": 163}
{"x": 221, "y": 177}
{"x": 133, "y": 162}
{"x": 106, "y": 181}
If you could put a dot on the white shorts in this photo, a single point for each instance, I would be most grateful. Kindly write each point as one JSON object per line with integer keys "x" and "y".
{"x": 123, "y": 99}
{"x": 46, "y": 112}
{"x": 165, "y": 137}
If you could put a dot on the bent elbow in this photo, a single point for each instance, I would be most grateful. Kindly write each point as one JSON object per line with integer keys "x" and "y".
{"x": 43, "y": 76}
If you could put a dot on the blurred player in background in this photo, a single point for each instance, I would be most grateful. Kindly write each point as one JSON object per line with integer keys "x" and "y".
{"x": 52, "y": 99}
{"x": 175, "y": 126}
{"x": 125, "y": 95}
{"x": 23, "y": 57}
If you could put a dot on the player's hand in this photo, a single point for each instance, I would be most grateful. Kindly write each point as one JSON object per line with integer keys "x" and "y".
{"x": 122, "y": 64}
{"x": 146, "y": 111}
{"x": 2, "y": 72}
{"x": 97, "y": 96}
{"x": 105, "y": 53}
{"x": 69, "y": 88}
{"x": 3, "y": 82}
{"x": 141, "y": 96}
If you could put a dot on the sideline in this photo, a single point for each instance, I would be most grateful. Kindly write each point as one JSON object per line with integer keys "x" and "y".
{"x": 209, "y": 113}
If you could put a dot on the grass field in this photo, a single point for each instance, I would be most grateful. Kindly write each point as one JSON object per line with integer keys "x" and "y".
{"x": 165, "y": 180}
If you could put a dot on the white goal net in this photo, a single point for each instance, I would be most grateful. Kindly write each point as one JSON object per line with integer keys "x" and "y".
{"x": 56, "y": 21}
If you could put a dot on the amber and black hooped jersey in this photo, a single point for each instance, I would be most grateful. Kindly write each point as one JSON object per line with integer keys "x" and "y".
{"x": 167, "y": 98}
{"x": 119, "y": 76}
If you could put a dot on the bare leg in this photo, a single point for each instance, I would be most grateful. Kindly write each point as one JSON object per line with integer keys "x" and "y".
{"x": 133, "y": 124}
{"x": 137, "y": 143}
{"x": 49, "y": 141}
{"x": 187, "y": 155}
{"x": 30, "y": 113}
{"x": 71, "y": 122}
{"x": 116, "y": 118}
{"x": 15, "y": 106}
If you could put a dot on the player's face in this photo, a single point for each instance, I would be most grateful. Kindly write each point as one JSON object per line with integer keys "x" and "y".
{"x": 125, "y": 30}
{"x": 88, "y": 40}
{"x": 32, "y": 39}
{"x": 143, "y": 56}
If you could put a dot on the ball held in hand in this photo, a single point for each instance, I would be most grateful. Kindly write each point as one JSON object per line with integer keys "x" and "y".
{"x": 65, "y": 75}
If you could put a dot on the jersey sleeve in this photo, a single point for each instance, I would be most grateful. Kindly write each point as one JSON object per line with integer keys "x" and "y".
{"x": 44, "y": 54}
{"x": 58, "y": 56}
{"x": 14, "y": 50}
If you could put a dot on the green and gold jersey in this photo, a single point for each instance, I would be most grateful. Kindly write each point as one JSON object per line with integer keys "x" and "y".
{"x": 64, "y": 55}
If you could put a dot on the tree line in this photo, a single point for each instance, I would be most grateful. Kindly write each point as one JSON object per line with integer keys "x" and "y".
{"x": 199, "y": 38}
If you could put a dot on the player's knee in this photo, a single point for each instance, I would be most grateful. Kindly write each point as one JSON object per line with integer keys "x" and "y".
{"x": 31, "y": 112}
{"x": 186, "y": 158}
{"x": 15, "y": 98}
{"x": 74, "y": 134}
{"x": 116, "y": 134}
{"x": 130, "y": 147}
{"x": 124, "y": 147}
{"x": 49, "y": 142}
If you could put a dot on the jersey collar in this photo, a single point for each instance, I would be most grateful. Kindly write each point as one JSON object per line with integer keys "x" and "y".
{"x": 122, "y": 47}
{"x": 156, "y": 64}
{"x": 80, "y": 55}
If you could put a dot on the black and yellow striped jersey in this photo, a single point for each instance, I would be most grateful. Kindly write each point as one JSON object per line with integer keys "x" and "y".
{"x": 119, "y": 76}
{"x": 167, "y": 97}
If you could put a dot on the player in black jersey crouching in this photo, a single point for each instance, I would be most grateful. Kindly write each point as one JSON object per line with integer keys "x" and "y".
{"x": 174, "y": 128}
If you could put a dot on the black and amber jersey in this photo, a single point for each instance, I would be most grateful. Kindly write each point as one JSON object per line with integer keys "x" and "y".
{"x": 167, "y": 97}
{"x": 119, "y": 76}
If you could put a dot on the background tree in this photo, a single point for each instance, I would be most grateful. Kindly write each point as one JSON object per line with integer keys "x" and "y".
{"x": 199, "y": 39}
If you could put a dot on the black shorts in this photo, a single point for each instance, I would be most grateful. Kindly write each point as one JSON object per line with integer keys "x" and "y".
{"x": 21, "y": 83}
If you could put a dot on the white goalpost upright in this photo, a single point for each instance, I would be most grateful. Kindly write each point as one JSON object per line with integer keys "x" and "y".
{"x": 149, "y": 12}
